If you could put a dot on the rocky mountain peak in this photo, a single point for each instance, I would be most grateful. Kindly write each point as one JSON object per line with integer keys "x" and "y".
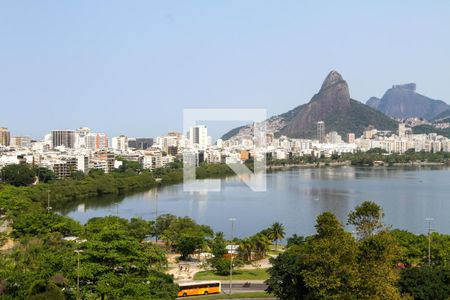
{"x": 332, "y": 78}
{"x": 332, "y": 105}
{"x": 407, "y": 86}
{"x": 402, "y": 101}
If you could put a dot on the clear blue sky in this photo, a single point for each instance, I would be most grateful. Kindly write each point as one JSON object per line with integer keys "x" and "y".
{"x": 131, "y": 67}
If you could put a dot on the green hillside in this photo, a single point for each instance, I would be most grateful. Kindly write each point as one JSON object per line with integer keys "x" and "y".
{"x": 430, "y": 129}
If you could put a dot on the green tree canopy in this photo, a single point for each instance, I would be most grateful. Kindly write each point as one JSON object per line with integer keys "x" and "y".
{"x": 425, "y": 283}
{"x": 44, "y": 174}
{"x": 276, "y": 232}
{"x": 18, "y": 175}
{"x": 367, "y": 218}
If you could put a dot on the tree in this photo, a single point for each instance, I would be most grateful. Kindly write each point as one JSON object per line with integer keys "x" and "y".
{"x": 189, "y": 242}
{"x": 276, "y": 233}
{"x": 186, "y": 236}
{"x": 261, "y": 245}
{"x": 42, "y": 290}
{"x": 139, "y": 228}
{"x": 324, "y": 267}
{"x": 425, "y": 283}
{"x": 246, "y": 248}
{"x": 96, "y": 172}
{"x": 330, "y": 270}
{"x": 415, "y": 248}
{"x": 18, "y": 175}
{"x": 295, "y": 240}
{"x": 77, "y": 175}
{"x": 130, "y": 166}
{"x": 367, "y": 218}
{"x": 118, "y": 265}
{"x": 161, "y": 224}
{"x": 45, "y": 175}
{"x": 377, "y": 257}
{"x": 218, "y": 245}
{"x": 222, "y": 265}
{"x": 286, "y": 280}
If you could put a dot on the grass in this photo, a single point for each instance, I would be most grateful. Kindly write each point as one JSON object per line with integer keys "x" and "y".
{"x": 245, "y": 274}
{"x": 275, "y": 250}
{"x": 248, "y": 295}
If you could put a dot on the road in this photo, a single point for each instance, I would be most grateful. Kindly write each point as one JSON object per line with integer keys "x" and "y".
{"x": 238, "y": 286}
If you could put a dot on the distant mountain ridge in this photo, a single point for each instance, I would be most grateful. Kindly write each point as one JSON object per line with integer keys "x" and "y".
{"x": 333, "y": 105}
{"x": 443, "y": 116}
{"x": 402, "y": 101}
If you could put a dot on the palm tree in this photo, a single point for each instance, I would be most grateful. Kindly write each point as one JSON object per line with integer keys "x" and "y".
{"x": 276, "y": 233}
{"x": 246, "y": 248}
{"x": 261, "y": 245}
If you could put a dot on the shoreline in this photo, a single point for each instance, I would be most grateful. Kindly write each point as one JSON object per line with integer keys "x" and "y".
{"x": 347, "y": 163}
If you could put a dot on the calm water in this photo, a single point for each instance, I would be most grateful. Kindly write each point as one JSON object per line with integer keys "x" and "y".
{"x": 295, "y": 198}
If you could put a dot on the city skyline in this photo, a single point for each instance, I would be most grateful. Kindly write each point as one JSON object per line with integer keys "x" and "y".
{"x": 294, "y": 149}
{"x": 87, "y": 64}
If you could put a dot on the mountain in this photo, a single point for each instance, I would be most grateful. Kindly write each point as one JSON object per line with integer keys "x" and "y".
{"x": 333, "y": 105}
{"x": 427, "y": 129}
{"x": 442, "y": 117}
{"x": 373, "y": 102}
{"x": 402, "y": 101}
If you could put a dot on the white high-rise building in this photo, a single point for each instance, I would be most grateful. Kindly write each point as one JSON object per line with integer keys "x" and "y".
{"x": 120, "y": 143}
{"x": 351, "y": 138}
{"x": 85, "y": 139}
{"x": 198, "y": 136}
{"x": 401, "y": 130}
{"x": 96, "y": 141}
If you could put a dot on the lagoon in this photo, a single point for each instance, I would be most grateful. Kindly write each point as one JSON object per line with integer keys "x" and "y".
{"x": 294, "y": 197}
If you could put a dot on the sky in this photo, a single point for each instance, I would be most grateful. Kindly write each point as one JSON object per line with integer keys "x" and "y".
{"x": 131, "y": 67}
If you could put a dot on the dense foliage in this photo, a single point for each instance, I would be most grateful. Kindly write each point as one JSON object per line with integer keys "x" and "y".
{"x": 333, "y": 265}
{"x": 18, "y": 175}
{"x": 426, "y": 283}
{"x": 115, "y": 261}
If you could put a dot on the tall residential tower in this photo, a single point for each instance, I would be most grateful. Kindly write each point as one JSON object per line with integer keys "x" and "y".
{"x": 5, "y": 136}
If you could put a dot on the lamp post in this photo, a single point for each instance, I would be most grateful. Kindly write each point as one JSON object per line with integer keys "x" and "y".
{"x": 232, "y": 220}
{"x": 49, "y": 208}
{"x": 429, "y": 220}
{"x": 78, "y": 251}
{"x": 78, "y": 272}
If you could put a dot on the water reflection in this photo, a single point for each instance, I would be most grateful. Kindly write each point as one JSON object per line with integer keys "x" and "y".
{"x": 295, "y": 198}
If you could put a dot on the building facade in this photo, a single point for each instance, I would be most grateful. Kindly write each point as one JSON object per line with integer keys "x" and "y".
{"x": 64, "y": 138}
{"x": 4, "y": 137}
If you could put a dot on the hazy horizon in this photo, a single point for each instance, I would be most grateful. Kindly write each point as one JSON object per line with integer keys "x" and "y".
{"x": 131, "y": 68}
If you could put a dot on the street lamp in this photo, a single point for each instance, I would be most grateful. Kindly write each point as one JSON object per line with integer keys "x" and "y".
{"x": 49, "y": 208}
{"x": 429, "y": 220}
{"x": 78, "y": 272}
{"x": 232, "y": 220}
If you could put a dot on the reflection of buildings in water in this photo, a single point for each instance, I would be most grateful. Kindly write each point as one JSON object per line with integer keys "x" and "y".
{"x": 330, "y": 173}
{"x": 199, "y": 193}
{"x": 151, "y": 194}
{"x": 81, "y": 208}
{"x": 255, "y": 181}
{"x": 198, "y": 203}
{"x": 199, "y": 186}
